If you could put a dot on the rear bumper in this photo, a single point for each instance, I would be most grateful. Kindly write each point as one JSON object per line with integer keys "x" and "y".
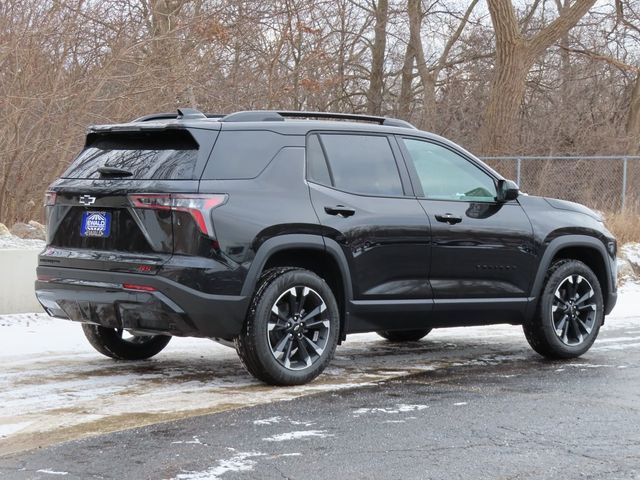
{"x": 99, "y": 297}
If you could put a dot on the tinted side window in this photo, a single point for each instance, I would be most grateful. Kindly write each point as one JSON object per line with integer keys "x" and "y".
{"x": 362, "y": 164}
{"x": 317, "y": 169}
{"x": 445, "y": 175}
{"x": 242, "y": 154}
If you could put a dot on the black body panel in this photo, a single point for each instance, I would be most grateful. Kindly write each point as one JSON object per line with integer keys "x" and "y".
{"x": 488, "y": 254}
{"x": 386, "y": 242}
{"x": 396, "y": 264}
{"x": 173, "y": 309}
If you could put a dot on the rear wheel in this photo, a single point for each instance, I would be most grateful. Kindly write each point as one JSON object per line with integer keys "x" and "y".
{"x": 569, "y": 314}
{"x": 119, "y": 344}
{"x": 404, "y": 335}
{"x": 291, "y": 330}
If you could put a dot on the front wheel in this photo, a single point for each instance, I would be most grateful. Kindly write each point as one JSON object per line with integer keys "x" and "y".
{"x": 292, "y": 328}
{"x": 570, "y": 312}
{"x": 120, "y": 345}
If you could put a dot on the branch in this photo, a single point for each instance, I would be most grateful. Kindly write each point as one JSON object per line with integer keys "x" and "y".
{"x": 454, "y": 38}
{"x": 524, "y": 23}
{"x": 559, "y": 27}
{"x": 605, "y": 58}
{"x": 621, "y": 17}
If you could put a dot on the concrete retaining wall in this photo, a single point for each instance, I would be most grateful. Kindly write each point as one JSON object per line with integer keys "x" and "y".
{"x": 17, "y": 274}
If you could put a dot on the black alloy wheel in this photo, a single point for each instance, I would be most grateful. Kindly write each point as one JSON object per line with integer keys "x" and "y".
{"x": 569, "y": 314}
{"x": 574, "y": 310}
{"x": 298, "y": 329}
{"x": 292, "y": 328}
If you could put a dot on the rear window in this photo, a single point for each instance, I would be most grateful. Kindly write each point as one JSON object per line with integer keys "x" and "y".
{"x": 167, "y": 155}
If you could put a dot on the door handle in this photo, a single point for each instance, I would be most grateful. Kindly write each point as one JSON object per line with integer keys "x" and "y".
{"x": 449, "y": 218}
{"x": 340, "y": 210}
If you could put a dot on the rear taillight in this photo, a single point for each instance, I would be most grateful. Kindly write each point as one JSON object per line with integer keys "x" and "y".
{"x": 50, "y": 199}
{"x": 198, "y": 205}
{"x": 138, "y": 288}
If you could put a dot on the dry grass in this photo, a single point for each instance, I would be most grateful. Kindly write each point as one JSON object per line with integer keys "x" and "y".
{"x": 624, "y": 225}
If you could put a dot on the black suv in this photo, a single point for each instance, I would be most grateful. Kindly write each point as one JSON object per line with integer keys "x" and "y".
{"x": 282, "y": 232}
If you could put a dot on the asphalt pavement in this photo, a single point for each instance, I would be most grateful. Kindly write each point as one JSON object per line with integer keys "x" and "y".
{"x": 493, "y": 409}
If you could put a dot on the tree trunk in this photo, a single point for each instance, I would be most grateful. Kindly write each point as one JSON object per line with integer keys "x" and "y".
{"x": 376, "y": 78}
{"x": 428, "y": 74}
{"x": 515, "y": 55}
{"x": 406, "y": 87}
{"x": 633, "y": 120}
{"x": 507, "y": 91}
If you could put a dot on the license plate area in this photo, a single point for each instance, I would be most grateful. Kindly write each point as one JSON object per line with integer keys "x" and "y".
{"x": 95, "y": 224}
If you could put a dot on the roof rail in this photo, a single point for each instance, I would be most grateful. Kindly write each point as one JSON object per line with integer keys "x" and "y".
{"x": 253, "y": 116}
{"x": 273, "y": 115}
{"x": 391, "y": 122}
{"x": 181, "y": 114}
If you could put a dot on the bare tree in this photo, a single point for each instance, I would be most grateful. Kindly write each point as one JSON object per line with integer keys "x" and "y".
{"x": 427, "y": 73}
{"x": 515, "y": 55}
{"x": 378, "y": 49}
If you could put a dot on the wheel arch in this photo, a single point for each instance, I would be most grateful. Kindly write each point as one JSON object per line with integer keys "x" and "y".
{"x": 315, "y": 253}
{"x": 588, "y": 250}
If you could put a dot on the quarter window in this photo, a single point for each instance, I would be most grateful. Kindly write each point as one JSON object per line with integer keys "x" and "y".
{"x": 362, "y": 164}
{"x": 445, "y": 175}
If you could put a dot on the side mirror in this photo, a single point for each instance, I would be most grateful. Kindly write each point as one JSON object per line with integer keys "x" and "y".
{"x": 507, "y": 190}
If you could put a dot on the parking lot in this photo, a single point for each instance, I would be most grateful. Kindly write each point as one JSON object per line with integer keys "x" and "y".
{"x": 461, "y": 399}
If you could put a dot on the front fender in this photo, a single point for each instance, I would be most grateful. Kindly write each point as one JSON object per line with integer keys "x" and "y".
{"x": 565, "y": 241}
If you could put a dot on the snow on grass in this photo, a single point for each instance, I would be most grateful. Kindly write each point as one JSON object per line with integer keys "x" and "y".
{"x": 240, "y": 462}
{"x": 283, "y": 437}
{"x": 631, "y": 252}
{"x": 13, "y": 242}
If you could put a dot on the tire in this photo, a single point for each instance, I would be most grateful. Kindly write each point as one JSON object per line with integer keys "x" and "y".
{"x": 569, "y": 314}
{"x": 404, "y": 335}
{"x": 112, "y": 343}
{"x": 284, "y": 348}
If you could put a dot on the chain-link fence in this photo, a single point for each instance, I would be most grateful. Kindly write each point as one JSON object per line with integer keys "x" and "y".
{"x": 605, "y": 183}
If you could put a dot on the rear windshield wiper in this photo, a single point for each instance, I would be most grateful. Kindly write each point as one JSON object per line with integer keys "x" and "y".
{"x": 114, "y": 172}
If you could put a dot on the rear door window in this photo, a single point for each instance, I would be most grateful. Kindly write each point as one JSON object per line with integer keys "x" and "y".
{"x": 166, "y": 155}
{"x": 362, "y": 164}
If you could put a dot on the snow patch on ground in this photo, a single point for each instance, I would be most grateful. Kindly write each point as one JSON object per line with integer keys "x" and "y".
{"x": 51, "y": 472}
{"x": 11, "y": 428}
{"x": 240, "y": 462}
{"x": 283, "y": 437}
{"x": 195, "y": 441}
{"x": 267, "y": 421}
{"x": 53, "y": 381}
{"x": 399, "y": 408}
